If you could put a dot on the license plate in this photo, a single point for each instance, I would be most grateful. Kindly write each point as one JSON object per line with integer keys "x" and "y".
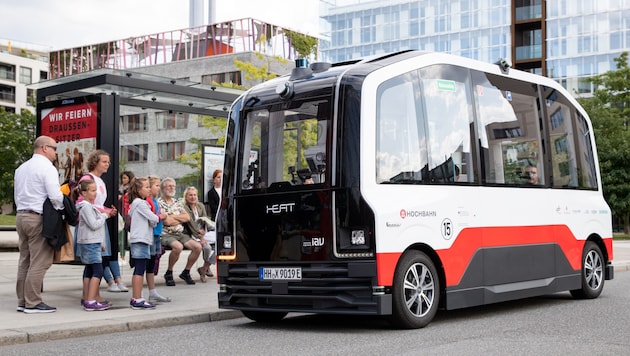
{"x": 280, "y": 273}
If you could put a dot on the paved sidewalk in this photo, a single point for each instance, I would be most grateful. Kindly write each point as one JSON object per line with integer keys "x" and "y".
{"x": 62, "y": 289}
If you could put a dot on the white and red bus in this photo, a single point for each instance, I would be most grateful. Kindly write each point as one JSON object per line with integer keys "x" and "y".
{"x": 400, "y": 184}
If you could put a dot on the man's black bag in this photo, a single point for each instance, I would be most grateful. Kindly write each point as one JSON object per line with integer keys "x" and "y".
{"x": 54, "y": 229}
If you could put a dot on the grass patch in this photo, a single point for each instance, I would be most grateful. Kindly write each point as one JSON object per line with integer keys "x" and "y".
{"x": 7, "y": 220}
{"x": 620, "y": 236}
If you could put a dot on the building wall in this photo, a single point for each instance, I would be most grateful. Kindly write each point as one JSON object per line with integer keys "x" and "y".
{"x": 582, "y": 37}
{"x": 19, "y": 101}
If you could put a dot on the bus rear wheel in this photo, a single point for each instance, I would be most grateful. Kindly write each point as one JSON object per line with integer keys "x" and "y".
{"x": 264, "y": 317}
{"x": 592, "y": 272}
{"x": 416, "y": 291}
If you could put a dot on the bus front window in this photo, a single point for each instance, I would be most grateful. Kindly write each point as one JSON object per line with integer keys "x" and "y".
{"x": 285, "y": 148}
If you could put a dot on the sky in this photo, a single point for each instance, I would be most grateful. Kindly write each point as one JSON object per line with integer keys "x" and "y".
{"x": 59, "y": 24}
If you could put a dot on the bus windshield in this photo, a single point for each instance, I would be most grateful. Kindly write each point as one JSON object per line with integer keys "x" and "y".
{"x": 286, "y": 147}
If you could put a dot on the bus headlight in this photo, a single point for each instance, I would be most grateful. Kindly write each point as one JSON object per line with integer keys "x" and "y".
{"x": 227, "y": 242}
{"x": 357, "y": 237}
{"x": 353, "y": 239}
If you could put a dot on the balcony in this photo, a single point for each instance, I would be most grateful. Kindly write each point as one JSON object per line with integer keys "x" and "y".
{"x": 528, "y": 12}
{"x": 528, "y": 52}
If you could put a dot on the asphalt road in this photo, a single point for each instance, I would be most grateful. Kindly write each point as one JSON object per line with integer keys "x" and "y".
{"x": 550, "y": 325}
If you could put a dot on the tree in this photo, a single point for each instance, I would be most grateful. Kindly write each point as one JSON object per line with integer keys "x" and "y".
{"x": 304, "y": 45}
{"x": 217, "y": 126}
{"x": 609, "y": 109}
{"x": 17, "y": 134}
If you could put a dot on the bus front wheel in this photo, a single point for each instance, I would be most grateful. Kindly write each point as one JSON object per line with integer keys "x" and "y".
{"x": 592, "y": 272}
{"x": 264, "y": 317}
{"x": 416, "y": 291}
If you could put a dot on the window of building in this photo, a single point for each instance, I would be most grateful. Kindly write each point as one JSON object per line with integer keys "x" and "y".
{"x": 169, "y": 120}
{"x": 134, "y": 153}
{"x": 8, "y": 109}
{"x": 227, "y": 77}
{"x": 31, "y": 99}
{"x": 43, "y": 75}
{"x": 171, "y": 151}
{"x": 7, "y": 93}
{"x": 134, "y": 123}
{"x": 26, "y": 75}
{"x": 7, "y": 71}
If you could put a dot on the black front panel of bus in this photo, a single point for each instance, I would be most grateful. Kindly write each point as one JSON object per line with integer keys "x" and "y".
{"x": 291, "y": 226}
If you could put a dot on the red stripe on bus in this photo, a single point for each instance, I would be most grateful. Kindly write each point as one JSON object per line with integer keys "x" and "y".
{"x": 458, "y": 256}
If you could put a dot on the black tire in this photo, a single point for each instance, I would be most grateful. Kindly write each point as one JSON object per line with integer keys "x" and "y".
{"x": 416, "y": 291}
{"x": 264, "y": 317}
{"x": 592, "y": 272}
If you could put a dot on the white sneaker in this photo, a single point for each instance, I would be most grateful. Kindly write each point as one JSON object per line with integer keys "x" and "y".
{"x": 158, "y": 298}
{"x": 114, "y": 288}
{"x": 122, "y": 287}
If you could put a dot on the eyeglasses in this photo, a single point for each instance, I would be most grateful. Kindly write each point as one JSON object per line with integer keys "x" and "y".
{"x": 54, "y": 148}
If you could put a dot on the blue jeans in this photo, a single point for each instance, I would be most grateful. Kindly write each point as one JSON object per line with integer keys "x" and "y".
{"x": 112, "y": 268}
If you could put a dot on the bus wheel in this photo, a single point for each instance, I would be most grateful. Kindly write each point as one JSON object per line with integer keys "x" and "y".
{"x": 264, "y": 317}
{"x": 592, "y": 272}
{"x": 416, "y": 291}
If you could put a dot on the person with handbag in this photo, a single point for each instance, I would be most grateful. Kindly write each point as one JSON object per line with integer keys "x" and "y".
{"x": 34, "y": 181}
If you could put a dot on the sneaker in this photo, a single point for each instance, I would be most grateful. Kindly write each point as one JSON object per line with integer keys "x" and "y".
{"x": 20, "y": 308}
{"x": 40, "y": 308}
{"x": 168, "y": 276}
{"x": 114, "y": 288}
{"x": 159, "y": 298}
{"x": 102, "y": 302}
{"x": 95, "y": 306}
{"x": 138, "y": 305}
{"x": 202, "y": 275}
{"x": 123, "y": 287}
{"x": 186, "y": 276}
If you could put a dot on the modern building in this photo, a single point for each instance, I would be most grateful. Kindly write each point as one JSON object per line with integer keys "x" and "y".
{"x": 21, "y": 64}
{"x": 563, "y": 39}
{"x": 222, "y": 56}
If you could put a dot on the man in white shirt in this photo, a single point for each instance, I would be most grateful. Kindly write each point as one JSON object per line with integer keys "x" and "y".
{"x": 35, "y": 180}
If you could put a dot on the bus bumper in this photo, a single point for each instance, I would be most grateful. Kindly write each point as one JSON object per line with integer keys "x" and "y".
{"x": 337, "y": 288}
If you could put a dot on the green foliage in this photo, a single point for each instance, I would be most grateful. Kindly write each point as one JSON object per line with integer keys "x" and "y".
{"x": 17, "y": 134}
{"x": 609, "y": 109}
{"x": 305, "y": 45}
{"x": 253, "y": 72}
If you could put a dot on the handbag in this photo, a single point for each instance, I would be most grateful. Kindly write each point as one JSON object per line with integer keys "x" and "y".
{"x": 66, "y": 253}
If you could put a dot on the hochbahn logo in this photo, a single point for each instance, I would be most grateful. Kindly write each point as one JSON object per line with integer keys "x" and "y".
{"x": 417, "y": 213}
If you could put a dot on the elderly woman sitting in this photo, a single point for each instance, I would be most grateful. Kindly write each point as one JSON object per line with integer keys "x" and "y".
{"x": 202, "y": 228}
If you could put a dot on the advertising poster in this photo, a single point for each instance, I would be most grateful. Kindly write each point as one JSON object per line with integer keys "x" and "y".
{"x": 212, "y": 160}
{"x": 73, "y": 124}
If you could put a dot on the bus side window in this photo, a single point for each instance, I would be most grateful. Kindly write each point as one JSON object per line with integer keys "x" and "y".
{"x": 400, "y": 156}
{"x": 448, "y": 106}
{"x": 508, "y": 128}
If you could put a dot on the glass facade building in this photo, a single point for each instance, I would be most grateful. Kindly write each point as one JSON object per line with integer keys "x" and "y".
{"x": 573, "y": 40}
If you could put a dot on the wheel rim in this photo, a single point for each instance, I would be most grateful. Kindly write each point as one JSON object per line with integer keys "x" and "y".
{"x": 593, "y": 270}
{"x": 419, "y": 289}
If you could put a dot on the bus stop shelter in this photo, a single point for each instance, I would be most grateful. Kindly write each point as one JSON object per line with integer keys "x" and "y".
{"x": 84, "y": 110}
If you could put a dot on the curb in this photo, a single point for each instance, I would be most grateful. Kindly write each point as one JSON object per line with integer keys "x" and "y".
{"x": 87, "y": 328}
